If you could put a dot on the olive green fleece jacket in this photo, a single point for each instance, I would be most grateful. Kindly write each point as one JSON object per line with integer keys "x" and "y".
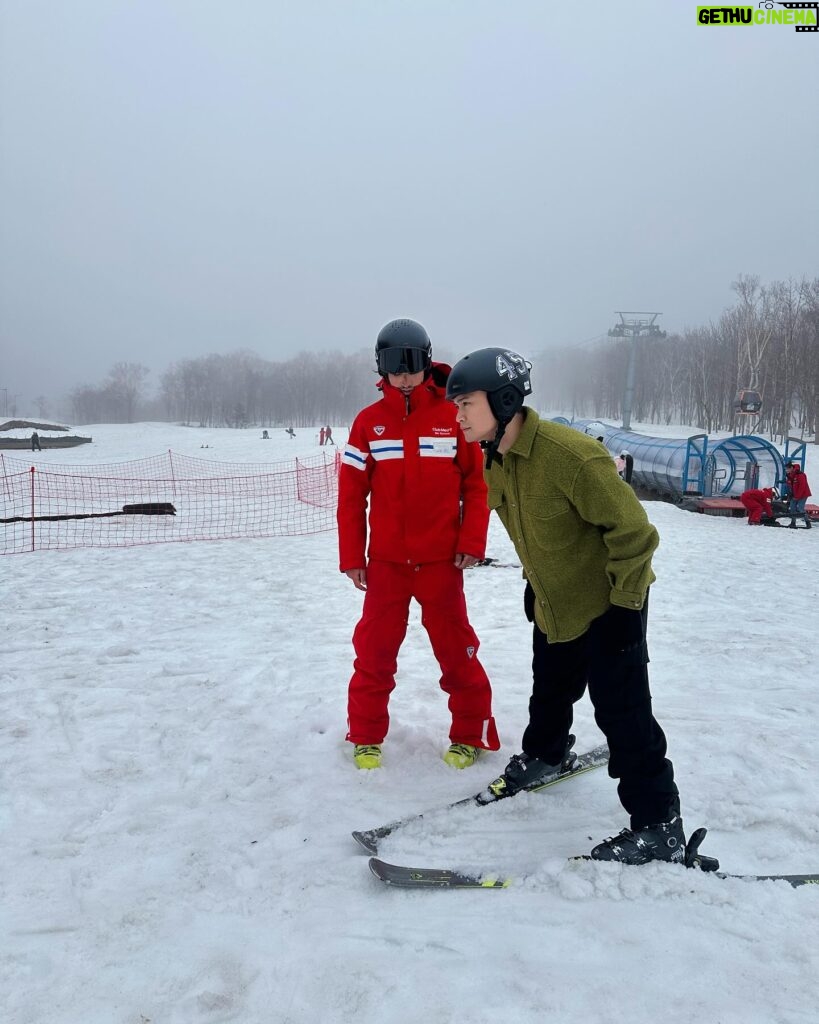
{"x": 583, "y": 538}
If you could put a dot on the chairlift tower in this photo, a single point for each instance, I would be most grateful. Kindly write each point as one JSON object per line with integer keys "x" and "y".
{"x": 634, "y": 325}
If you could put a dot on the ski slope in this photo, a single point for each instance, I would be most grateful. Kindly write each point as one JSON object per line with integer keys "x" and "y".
{"x": 177, "y": 797}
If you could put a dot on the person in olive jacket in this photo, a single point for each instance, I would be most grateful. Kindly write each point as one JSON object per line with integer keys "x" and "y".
{"x": 585, "y": 544}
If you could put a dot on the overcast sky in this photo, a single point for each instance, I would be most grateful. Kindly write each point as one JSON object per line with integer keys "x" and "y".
{"x": 180, "y": 178}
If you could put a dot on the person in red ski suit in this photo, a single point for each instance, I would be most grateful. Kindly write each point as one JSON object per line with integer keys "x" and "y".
{"x": 758, "y": 503}
{"x": 798, "y": 490}
{"x": 428, "y": 520}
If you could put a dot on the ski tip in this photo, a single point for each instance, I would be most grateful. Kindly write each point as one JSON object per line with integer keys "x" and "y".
{"x": 378, "y": 868}
{"x": 366, "y": 841}
{"x": 391, "y": 874}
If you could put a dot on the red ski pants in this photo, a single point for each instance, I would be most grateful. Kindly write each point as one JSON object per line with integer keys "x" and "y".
{"x": 439, "y": 589}
{"x": 756, "y": 509}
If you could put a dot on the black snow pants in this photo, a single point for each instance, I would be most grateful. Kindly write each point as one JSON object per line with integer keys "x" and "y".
{"x": 619, "y": 692}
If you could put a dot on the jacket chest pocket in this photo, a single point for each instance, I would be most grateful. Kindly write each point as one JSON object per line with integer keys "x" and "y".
{"x": 552, "y": 522}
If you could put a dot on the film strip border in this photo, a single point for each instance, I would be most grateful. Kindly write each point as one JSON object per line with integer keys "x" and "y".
{"x": 814, "y": 5}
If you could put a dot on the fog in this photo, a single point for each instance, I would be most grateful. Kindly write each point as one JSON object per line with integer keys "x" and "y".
{"x": 182, "y": 178}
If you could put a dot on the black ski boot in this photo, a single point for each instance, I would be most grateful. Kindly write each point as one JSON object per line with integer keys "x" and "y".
{"x": 664, "y": 841}
{"x": 525, "y": 772}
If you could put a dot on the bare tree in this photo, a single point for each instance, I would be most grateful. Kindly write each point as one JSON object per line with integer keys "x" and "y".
{"x": 124, "y": 385}
{"x": 752, "y": 325}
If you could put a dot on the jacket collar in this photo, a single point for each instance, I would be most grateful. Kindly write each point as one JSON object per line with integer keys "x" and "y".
{"x": 433, "y": 388}
{"x": 526, "y": 437}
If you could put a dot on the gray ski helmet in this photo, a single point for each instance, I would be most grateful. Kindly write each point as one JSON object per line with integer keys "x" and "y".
{"x": 502, "y": 373}
{"x": 403, "y": 346}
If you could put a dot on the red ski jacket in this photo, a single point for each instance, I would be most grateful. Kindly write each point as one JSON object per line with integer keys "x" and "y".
{"x": 760, "y": 496}
{"x": 798, "y": 485}
{"x": 424, "y": 481}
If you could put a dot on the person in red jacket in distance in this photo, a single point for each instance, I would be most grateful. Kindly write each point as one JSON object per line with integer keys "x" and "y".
{"x": 798, "y": 491}
{"x": 427, "y": 521}
{"x": 758, "y": 502}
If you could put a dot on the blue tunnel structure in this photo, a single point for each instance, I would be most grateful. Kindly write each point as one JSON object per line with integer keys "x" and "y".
{"x": 696, "y": 466}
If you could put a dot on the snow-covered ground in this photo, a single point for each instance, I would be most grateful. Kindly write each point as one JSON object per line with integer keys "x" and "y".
{"x": 177, "y": 796}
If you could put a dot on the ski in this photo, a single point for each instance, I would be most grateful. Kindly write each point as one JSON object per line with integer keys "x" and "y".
{"x": 403, "y": 877}
{"x": 493, "y": 563}
{"x": 576, "y": 764}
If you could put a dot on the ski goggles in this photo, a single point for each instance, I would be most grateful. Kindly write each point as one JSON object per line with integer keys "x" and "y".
{"x": 403, "y": 360}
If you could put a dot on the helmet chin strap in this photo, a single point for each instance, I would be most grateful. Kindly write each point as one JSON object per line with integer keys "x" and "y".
{"x": 491, "y": 447}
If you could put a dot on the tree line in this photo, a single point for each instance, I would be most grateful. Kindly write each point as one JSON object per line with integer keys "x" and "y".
{"x": 119, "y": 399}
{"x": 236, "y": 390}
{"x": 767, "y": 341}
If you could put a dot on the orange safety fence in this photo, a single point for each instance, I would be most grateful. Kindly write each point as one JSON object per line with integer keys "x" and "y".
{"x": 161, "y": 499}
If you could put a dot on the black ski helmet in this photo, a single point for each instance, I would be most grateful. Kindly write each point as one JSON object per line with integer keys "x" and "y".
{"x": 504, "y": 376}
{"x": 403, "y": 346}
{"x": 500, "y": 372}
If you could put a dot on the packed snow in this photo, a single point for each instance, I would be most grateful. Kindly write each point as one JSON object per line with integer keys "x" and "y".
{"x": 178, "y": 797}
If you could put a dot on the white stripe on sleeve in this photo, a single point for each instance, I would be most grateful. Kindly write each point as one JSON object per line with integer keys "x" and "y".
{"x": 353, "y": 457}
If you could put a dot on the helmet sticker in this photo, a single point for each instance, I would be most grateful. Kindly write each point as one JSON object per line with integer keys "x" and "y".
{"x": 511, "y": 365}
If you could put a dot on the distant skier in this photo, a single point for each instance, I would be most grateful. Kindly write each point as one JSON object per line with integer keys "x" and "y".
{"x": 321, "y": 437}
{"x": 35, "y": 442}
{"x": 328, "y": 436}
{"x": 291, "y": 432}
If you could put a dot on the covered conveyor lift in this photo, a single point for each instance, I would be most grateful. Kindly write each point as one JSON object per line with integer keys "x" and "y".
{"x": 693, "y": 466}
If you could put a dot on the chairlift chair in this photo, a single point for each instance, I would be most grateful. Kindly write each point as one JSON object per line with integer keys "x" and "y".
{"x": 747, "y": 402}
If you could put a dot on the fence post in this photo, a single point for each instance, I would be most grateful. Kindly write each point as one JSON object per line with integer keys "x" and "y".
{"x": 32, "y": 507}
{"x": 173, "y": 478}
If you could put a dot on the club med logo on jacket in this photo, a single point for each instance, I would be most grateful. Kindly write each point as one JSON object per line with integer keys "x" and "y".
{"x": 378, "y": 431}
{"x": 470, "y": 651}
{"x": 442, "y": 431}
